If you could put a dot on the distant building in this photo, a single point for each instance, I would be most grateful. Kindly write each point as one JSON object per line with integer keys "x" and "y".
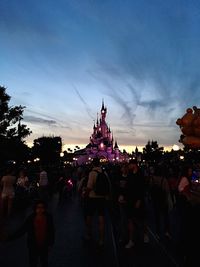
{"x": 101, "y": 144}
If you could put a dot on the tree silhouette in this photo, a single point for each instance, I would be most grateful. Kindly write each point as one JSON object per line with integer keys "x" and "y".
{"x": 47, "y": 149}
{"x": 152, "y": 151}
{"x": 11, "y": 117}
{"x": 12, "y": 131}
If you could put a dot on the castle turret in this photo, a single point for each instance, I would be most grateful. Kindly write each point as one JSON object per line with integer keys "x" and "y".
{"x": 116, "y": 149}
{"x": 116, "y": 145}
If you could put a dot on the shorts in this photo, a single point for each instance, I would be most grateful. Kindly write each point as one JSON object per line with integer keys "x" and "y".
{"x": 95, "y": 205}
{"x": 137, "y": 213}
{"x": 8, "y": 195}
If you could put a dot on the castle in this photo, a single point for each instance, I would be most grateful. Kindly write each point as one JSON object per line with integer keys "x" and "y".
{"x": 101, "y": 143}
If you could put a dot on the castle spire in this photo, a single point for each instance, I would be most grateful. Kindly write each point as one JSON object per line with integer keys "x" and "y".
{"x": 97, "y": 119}
{"x": 116, "y": 145}
{"x": 102, "y": 108}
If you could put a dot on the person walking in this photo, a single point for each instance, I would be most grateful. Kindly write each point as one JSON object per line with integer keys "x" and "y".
{"x": 161, "y": 201}
{"x": 96, "y": 203}
{"x": 135, "y": 201}
{"x": 7, "y": 183}
{"x": 122, "y": 187}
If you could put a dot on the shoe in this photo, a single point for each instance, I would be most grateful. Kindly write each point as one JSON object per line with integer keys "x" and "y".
{"x": 130, "y": 244}
{"x": 168, "y": 236}
{"x": 146, "y": 238}
{"x": 157, "y": 237}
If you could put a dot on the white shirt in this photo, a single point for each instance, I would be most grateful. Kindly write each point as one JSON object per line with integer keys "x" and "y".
{"x": 43, "y": 179}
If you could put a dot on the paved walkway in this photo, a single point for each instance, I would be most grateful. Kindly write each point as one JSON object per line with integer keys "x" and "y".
{"x": 71, "y": 250}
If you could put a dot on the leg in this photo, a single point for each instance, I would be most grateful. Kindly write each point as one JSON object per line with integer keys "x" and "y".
{"x": 89, "y": 226}
{"x": 166, "y": 223}
{"x": 33, "y": 257}
{"x": 4, "y": 202}
{"x": 157, "y": 218}
{"x": 44, "y": 257}
{"x": 10, "y": 204}
{"x": 89, "y": 211}
{"x": 123, "y": 222}
{"x": 131, "y": 230}
{"x": 145, "y": 231}
{"x": 101, "y": 229}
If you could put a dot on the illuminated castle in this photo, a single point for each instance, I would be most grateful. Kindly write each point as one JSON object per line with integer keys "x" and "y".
{"x": 101, "y": 143}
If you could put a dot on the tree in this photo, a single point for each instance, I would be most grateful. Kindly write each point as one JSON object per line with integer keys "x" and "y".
{"x": 47, "y": 149}
{"x": 152, "y": 151}
{"x": 10, "y": 118}
{"x": 12, "y": 131}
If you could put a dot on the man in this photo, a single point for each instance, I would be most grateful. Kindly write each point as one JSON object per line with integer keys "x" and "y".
{"x": 96, "y": 203}
{"x": 135, "y": 200}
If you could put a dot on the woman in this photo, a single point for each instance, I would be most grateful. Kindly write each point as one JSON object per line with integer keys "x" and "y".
{"x": 22, "y": 189}
{"x": 8, "y": 191}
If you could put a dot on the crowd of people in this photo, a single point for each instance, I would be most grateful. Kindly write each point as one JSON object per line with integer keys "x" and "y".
{"x": 129, "y": 191}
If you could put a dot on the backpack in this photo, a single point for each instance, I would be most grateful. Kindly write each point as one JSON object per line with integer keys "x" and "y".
{"x": 102, "y": 187}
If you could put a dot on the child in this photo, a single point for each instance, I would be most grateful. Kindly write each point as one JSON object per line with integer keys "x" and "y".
{"x": 40, "y": 232}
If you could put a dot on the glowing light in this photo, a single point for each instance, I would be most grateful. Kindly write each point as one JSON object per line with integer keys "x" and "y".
{"x": 103, "y": 160}
{"x": 175, "y": 147}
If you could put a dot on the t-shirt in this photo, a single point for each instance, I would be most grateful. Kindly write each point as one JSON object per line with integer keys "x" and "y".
{"x": 43, "y": 179}
{"x": 40, "y": 227}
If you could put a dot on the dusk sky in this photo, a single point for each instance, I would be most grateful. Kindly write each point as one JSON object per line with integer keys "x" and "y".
{"x": 61, "y": 58}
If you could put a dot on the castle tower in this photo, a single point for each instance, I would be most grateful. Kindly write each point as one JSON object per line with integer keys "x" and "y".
{"x": 116, "y": 149}
{"x": 101, "y": 143}
{"x": 103, "y": 112}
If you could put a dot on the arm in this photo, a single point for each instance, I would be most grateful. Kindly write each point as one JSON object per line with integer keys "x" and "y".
{"x": 20, "y": 231}
{"x": 90, "y": 183}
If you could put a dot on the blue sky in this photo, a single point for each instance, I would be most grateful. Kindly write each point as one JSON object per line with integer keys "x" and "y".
{"x": 61, "y": 58}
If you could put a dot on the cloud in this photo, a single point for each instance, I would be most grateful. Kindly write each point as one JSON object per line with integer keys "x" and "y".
{"x": 153, "y": 105}
{"x": 154, "y": 125}
{"x": 103, "y": 74}
{"x": 122, "y": 132}
{"x": 33, "y": 119}
{"x": 87, "y": 108}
